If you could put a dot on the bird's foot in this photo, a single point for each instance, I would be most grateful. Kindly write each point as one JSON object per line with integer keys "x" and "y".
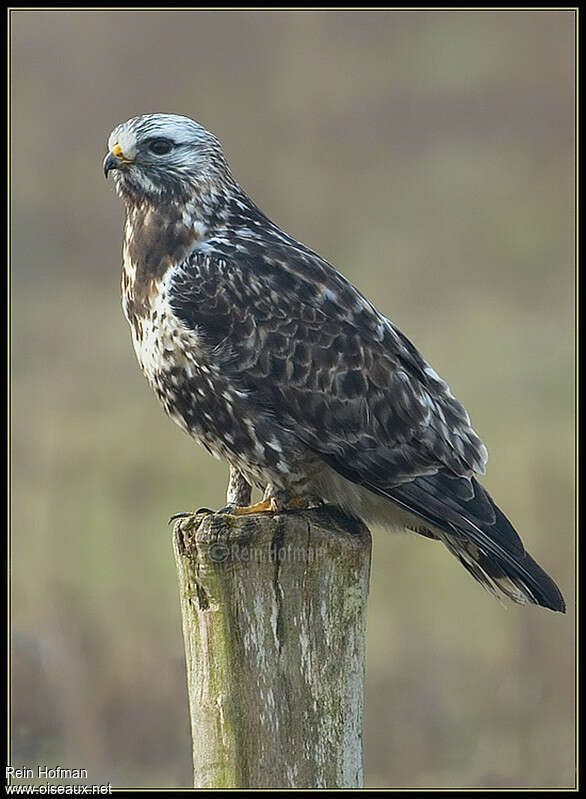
{"x": 270, "y": 505}
{"x": 281, "y": 503}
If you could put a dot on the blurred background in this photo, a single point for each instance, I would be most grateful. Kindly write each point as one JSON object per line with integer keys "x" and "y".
{"x": 430, "y": 157}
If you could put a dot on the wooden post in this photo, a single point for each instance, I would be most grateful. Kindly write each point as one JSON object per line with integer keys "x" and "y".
{"x": 274, "y": 618}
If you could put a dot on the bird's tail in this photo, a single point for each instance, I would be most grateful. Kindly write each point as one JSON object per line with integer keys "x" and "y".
{"x": 464, "y": 516}
{"x": 516, "y": 576}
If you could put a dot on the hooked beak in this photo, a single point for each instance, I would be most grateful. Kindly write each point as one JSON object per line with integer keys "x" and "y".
{"x": 114, "y": 160}
{"x": 110, "y": 162}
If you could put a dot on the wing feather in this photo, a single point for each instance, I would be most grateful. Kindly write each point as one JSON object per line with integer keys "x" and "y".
{"x": 333, "y": 369}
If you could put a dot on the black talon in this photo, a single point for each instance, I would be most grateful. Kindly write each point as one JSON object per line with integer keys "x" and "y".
{"x": 185, "y": 513}
{"x": 229, "y": 509}
{"x": 181, "y": 515}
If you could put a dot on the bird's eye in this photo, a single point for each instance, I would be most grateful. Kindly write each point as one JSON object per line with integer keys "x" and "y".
{"x": 160, "y": 146}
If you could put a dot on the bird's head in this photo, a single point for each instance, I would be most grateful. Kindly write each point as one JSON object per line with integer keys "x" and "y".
{"x": 158, "y": 157}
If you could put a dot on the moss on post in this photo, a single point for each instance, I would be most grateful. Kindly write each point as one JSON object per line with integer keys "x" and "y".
{"x": 274, "y": 617}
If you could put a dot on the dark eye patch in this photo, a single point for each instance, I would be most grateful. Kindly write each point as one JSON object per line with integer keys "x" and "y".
{"x": 160, "y": 146}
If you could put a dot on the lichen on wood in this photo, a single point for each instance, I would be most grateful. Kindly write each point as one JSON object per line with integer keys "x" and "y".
{"x": 274, "y": 617}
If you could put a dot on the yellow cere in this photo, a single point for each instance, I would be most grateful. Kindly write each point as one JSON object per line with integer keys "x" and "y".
{"x": 117, "y": 152}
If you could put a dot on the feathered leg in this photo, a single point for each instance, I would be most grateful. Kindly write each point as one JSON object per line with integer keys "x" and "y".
{"x": 239, "y": 489}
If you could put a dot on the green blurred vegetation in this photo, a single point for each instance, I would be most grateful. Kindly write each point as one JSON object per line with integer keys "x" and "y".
{"x": 430, "y": 157}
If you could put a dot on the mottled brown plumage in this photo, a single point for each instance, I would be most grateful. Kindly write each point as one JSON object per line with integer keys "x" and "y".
{"x": 269, "y": 357}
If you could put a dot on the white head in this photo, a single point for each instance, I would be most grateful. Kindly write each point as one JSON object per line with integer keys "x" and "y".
{"x": 162, "y": 156}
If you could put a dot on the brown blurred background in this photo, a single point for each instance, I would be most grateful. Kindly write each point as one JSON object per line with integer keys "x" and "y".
{"x": 430, "y": 157}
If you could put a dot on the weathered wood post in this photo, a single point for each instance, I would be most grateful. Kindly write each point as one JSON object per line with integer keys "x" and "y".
{"x": 274, "y": 618}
